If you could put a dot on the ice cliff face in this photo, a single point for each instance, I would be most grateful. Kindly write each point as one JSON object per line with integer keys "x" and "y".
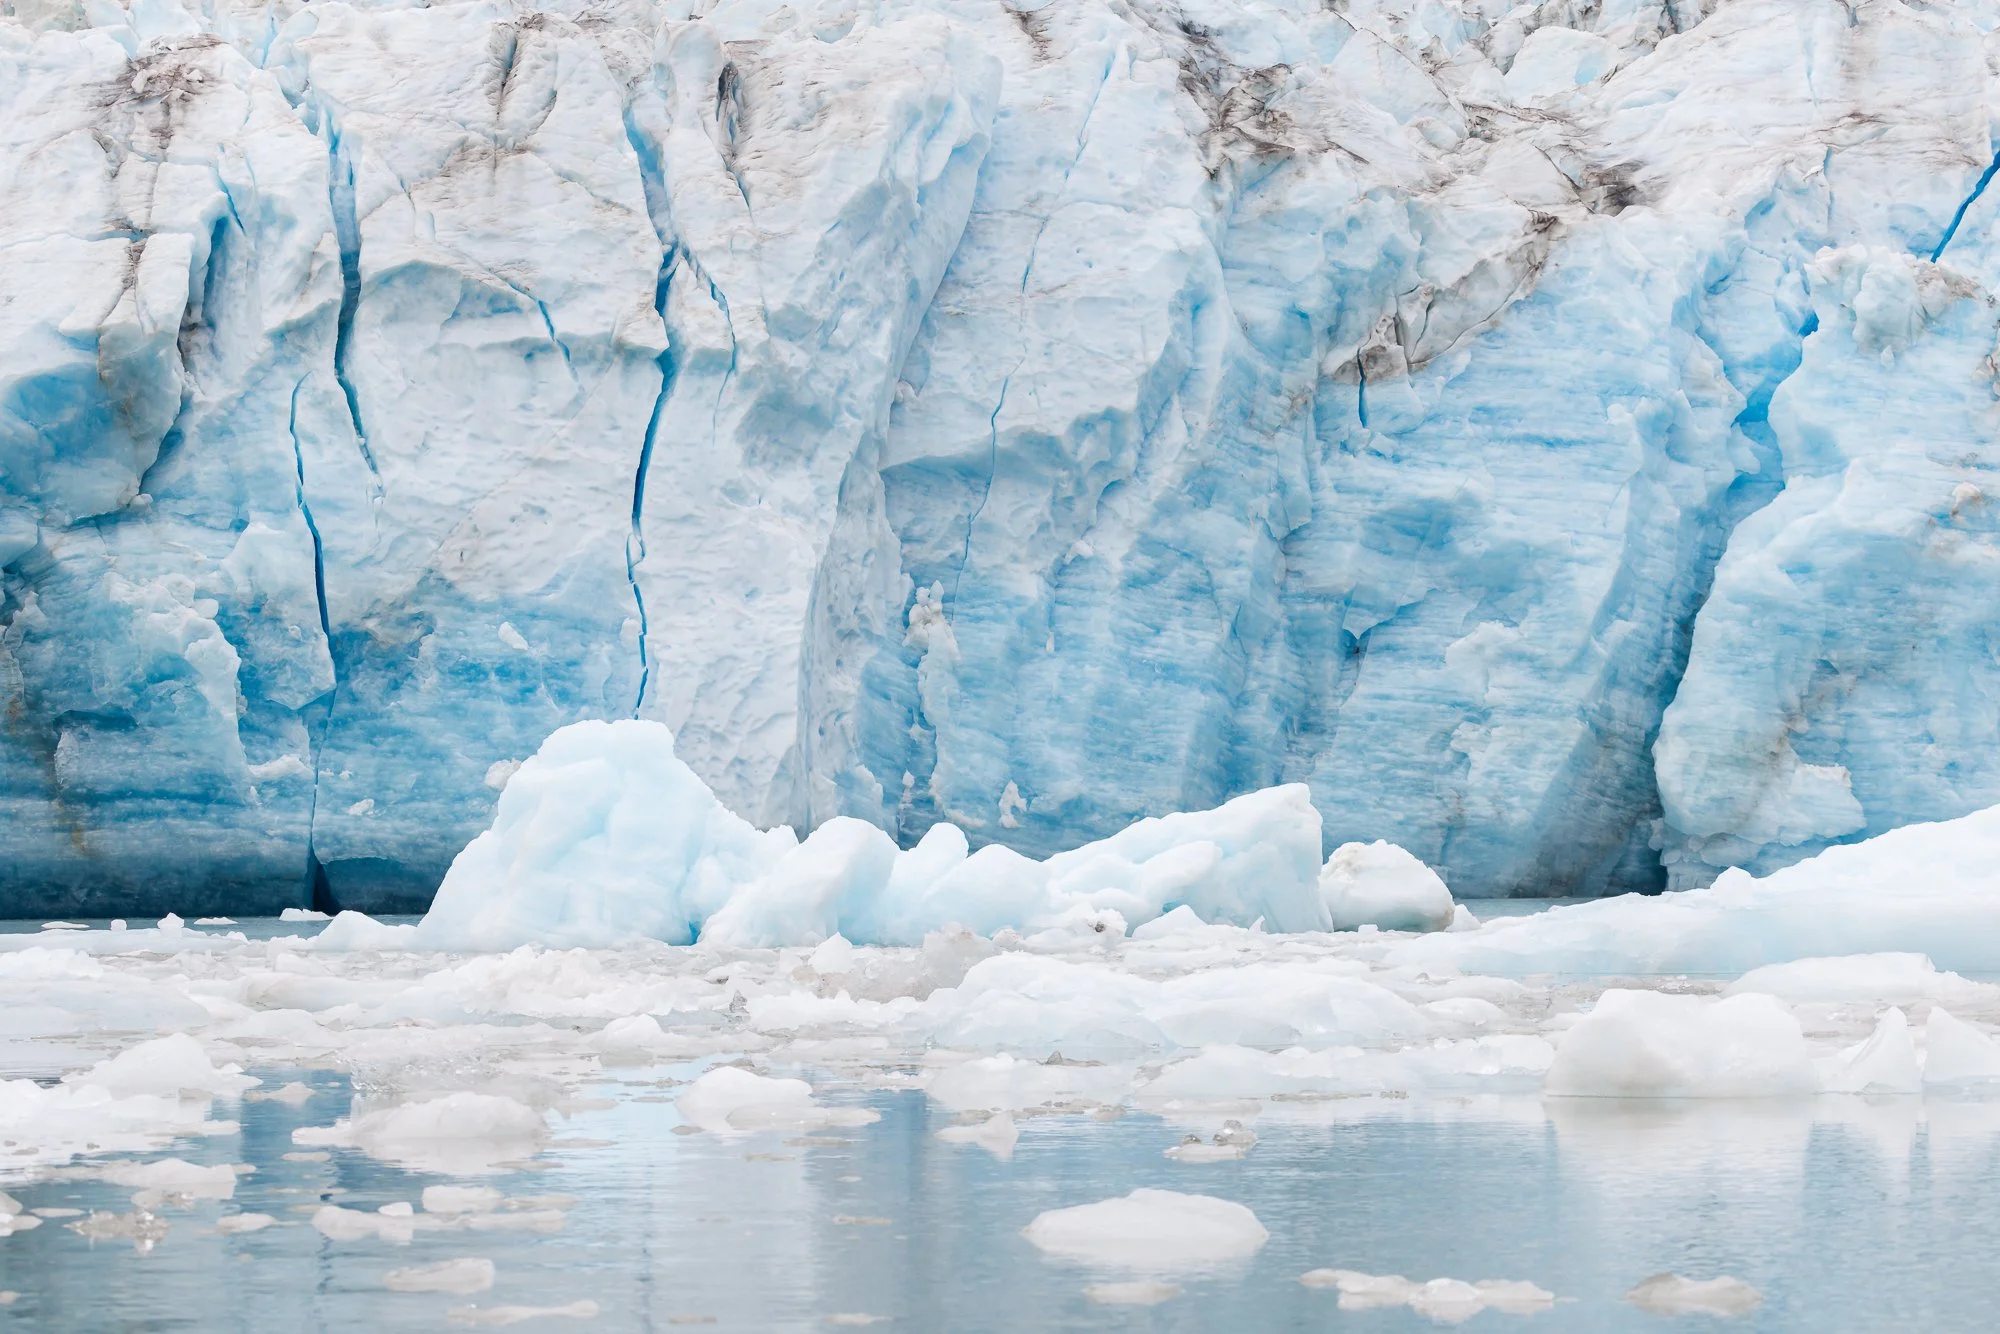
{"x": 1561, "y": 436}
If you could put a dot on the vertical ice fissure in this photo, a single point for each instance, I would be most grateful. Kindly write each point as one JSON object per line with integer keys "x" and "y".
{"x": 635, "y": 542}
{"x": 314, "y": 867}
{"x": 347, "y": 232}
{"x": 1985, "y": 179}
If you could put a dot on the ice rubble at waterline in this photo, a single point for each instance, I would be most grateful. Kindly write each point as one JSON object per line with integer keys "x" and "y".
{"x": 471, "y": 1061}
{"x": 606, "y": 835}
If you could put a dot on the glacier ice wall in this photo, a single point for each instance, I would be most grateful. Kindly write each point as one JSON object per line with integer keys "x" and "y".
{"x": 1558, "y": 435}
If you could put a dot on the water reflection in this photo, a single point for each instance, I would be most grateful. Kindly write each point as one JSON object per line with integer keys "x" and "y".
{"x": 1844, "y": 1213}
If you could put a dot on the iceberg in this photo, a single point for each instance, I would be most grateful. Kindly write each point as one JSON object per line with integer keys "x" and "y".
{"x": 1556, "y": 440}
{"x": 605, "y": 836}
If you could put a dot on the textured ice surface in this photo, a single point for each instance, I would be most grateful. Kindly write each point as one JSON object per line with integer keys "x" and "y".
{"x": 467, "y": 1064}
{"x": 605, "y": 836}
{"x": 943, "y": 411}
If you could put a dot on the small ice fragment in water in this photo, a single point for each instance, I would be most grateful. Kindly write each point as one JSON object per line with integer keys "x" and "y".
{"x": 64, "y": 926}
{"x": 12, "y": 1223}
{"x": 1670, "y": 1294}
{"x": 303, "y": 915}
{"x": 1150, "y": 1230}
{"x": 398, "y": 1209}
{"x": 56, "y": 1212}
{"x": 175, "y": 1177}
{"x": 1445, "y": 1300}
{"x": 461, "y": 1277}
{"x": 1141, "y": 1292}
{"x": 997, "y": 1135}
{"x": 514, "y": 1315}
{"x": 729, "y": 1098}
{"x": 215, "y": 921}
{"x": 460, "y": 1199}
{"x": 173, "y": 922}
{"x": 455, "y": 1134}
{"x": 1233, "y": 1141}
{"x": 230, "y": 1225}
{"x": 143, "y": 1228}
{"x": 293, "y": 1094}
{"x": 338, "y": 1224}
{"x": 117, "y": 924}
{"x": 308, "y": 1156}
{"x": 855, "y": 1318}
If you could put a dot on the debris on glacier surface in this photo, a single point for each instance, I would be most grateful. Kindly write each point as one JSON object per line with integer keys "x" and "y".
{"x": 1445, "y": 1301}
{"x": 1151, "y": 1231}
{"x": 1671, "y": 1294}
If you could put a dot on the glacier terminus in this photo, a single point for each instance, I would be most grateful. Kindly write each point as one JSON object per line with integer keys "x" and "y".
{"x": 1561, "y": 437}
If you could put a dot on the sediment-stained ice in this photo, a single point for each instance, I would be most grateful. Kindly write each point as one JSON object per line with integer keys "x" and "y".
{"x": 1559, "y": 439}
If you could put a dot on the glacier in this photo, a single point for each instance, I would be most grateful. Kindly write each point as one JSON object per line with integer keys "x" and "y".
{"x": 1559, "y": 436}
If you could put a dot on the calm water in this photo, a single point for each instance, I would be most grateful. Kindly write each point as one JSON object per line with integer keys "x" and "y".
{"x": 1879, "y": 1219}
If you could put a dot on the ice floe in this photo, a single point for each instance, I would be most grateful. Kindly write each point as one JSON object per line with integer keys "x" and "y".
{"x": 1151, "y": 1231}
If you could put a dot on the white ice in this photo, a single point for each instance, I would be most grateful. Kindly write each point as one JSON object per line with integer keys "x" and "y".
{"x": 1151, "y": 1231}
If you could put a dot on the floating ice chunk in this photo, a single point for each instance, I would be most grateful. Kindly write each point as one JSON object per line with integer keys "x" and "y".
{"x": 461, "y": 1277}
{"x": 1832, "y": 904}
{"x": 514, "y": 1315}
{"x": 729, "y": 1099}
{"x": 1513, "y": 1062}
{"x": 53, "y": 1125}
{"x": 1007, "y": 1083}
{"x": 603, "y": 836}
{"x": 1379, "y": 884}
{"x": 1231, "y": 1142}
{"x": 1897, "y": 979}
{"x": 457, "y": 1134}
{"x": 1670, "y": 1294}
{"x": 835, "y": 876}
{"x": 1957, "y": 1055}
{"x": 303, "y": 915}
{"x": 18, "y": 1222}
{"x": 65, "y": 926}
{"x": 854, "y": 1319}
{"x": 1885, "y": 1063}
{"x": 1648, "y": 1044}
{"x": 351, "y": 931}
{"x": 1176, "y": 921}
{"x": 338, "y": 1224}
{"x": 1157, "y": 1231}
{"x": 1138, "y": 1292}
{"x": 833, "y": 957}
{"x": 176, "y": 1177}
{"x": 996, "y": 1134}
{"x": 215, "y": 921}
{"x": 293, "y": 1094}
{"x": 1448, "y": 1301}
{"x": 143, "y": 1228}
{"x": 232, "y": 1225}
{"x": 174, "y": 1066}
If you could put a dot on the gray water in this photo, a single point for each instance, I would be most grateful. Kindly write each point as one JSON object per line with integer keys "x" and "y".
{"x": 1878, "y": 1220}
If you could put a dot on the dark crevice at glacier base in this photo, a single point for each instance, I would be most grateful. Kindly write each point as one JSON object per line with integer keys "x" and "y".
{"x": 1561, "y": 437}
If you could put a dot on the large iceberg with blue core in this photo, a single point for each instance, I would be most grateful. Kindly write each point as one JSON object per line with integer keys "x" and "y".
{"x": 1557, "y": 440}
